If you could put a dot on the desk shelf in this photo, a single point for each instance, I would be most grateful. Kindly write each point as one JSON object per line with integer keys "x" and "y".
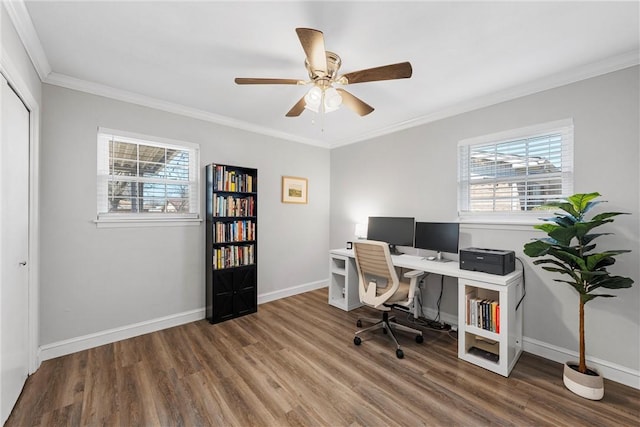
{"x": 343, "y": 282}
{"x": 498, "y": 345}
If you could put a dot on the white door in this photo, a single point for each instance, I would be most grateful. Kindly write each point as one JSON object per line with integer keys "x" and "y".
{"x": 14, "y": 235}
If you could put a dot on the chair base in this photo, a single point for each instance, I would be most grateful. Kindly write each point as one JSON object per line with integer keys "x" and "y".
{"x": 388, "y": 325}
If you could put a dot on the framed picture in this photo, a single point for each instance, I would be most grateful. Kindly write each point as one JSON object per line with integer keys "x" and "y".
{"x": 294, "y": 189}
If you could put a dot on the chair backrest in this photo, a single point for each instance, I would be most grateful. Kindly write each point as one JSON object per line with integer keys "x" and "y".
{"x": 377, "y": 276}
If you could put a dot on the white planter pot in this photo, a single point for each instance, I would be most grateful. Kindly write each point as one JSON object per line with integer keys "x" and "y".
{"x": 584, "y": 385}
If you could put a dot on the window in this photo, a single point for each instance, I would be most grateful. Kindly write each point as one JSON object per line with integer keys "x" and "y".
{"x": 147, "y": 179}
{"x": 515, "y": 172}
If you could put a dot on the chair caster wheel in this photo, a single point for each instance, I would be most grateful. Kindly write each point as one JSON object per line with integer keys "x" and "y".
{"x": 357, "y": 341}
{"x": 419, "y": 339}
{"x": 359, "y": 323}
{"x": 399, "y": 354}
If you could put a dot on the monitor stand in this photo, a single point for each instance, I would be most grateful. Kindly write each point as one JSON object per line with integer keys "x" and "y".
{"x": 440, "y": 259}
{"x": 394, "y": 250}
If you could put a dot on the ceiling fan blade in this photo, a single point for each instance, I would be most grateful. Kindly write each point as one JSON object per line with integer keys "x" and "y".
{"x": 401, "y": 70}
{"x": 252, "y": 81}
{"x": 297, "y": 109}
{"x": 356, "y": 104}
{"x": 313, "y": 44}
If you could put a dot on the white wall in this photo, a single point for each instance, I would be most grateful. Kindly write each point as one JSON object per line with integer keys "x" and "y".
{"x": 94, "y": 280}
{"x": 414, "y": 173}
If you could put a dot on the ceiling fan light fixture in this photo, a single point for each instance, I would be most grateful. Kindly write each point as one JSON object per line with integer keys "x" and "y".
{"x": 332, "y": 100}
{"x": 313, "y": 99}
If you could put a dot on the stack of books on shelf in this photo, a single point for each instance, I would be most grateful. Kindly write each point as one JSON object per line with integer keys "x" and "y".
{"x": 233, "y": 206}
{"x": 236, "y": 231}
{"x": 232, "y": 180}
{"x": 232, "y": 256}
{"x": 483, "y": 313}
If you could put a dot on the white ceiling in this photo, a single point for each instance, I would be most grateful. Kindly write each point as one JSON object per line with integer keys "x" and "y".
{"x": 183, "y": 56}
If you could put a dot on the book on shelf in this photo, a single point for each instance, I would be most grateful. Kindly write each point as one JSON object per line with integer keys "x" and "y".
{"x": 482, "y": 313}
{"x": 232, "y": 180}
{"x": 236, "y": 231}
{"x": 233, "y": 256}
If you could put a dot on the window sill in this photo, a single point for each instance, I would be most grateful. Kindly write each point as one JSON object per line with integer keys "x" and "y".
{"x": 146, "y": 222}
{"x": 525, "y": 222}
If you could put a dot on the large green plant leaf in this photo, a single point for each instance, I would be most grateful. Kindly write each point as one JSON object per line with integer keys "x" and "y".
{"x": 606, "y": 215}
{"x": 586, "y": 269}
{"x": 612, "y": 282}
{"x": 564, "y": 235}
{"x": 536, "y": 248}
{"x": 601, "y": 259}
{"x": 580, "y": 202}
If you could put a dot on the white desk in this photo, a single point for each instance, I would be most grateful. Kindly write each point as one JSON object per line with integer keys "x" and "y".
{"x": 506, "y": 290}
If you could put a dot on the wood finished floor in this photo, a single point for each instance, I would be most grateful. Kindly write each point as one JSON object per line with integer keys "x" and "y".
{"x": 294, "y": 364}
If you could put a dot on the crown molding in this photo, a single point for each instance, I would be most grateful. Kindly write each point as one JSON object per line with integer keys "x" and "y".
{"x": 594, "y": 69}
{"x": 19, "y": 15}
{"x": 21, "y": 20}
{"x": 146, "y": 101}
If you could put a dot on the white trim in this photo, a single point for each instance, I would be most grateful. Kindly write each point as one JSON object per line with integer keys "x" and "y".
{"x": 24, "y": 26}
{"x": 594, "y": 69}
{"x": 13, "y": 76}
{"x": 528, "y": 131}
{"x": 137, "y": 138}
{"x": 610, "y": 371}
{"x": 134, "y": 98}
{"x": 85, "y": 342}
{"x": 21, "y": 20}
{"x": 146, "y": 222}
{"x": 293, "y": 290}
{"x": 141, "y": 219}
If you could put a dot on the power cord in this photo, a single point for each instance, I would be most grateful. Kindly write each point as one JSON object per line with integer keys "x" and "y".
{"x": 524, "y": 284}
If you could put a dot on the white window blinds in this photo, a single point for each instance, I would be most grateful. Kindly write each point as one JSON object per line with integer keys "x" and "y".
{"x": 515, "y": 171}
{"x": 146, "y": 177}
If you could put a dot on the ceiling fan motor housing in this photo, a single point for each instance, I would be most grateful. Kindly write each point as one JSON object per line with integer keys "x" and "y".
{"x": 333, "y": 65}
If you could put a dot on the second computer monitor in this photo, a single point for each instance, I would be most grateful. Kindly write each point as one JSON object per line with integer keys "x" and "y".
{"x": 438, "y": 236}
{"x": 396, "y": 231}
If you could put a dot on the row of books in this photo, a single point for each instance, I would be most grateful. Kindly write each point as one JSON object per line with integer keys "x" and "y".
{"x": 236, "y": 231}
{"x": 233, "y": 256}
{"x": 483, "y": 313}
{"x": 233, "y": 206}
{"x": 232, "y": 180}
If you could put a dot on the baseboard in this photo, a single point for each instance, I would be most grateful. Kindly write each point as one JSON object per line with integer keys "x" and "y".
{"x": 610, "y": 371}
{"x": 73, "y": 345}
{"x": 294, "y": 290}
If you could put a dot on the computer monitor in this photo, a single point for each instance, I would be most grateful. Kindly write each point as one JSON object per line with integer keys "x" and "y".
{"x": 396, "y": 231}
{"x": 438, "y": 236}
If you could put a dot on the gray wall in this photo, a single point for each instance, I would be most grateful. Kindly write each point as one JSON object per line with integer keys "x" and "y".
{"x": 95, "y": 279}
{"x": 414, "y": 173}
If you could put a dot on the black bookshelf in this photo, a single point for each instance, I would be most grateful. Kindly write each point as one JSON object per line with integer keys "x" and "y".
{"x": 231, "y": 242}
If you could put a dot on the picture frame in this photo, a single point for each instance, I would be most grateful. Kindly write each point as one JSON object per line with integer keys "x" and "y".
{"x": 294, "y": 190}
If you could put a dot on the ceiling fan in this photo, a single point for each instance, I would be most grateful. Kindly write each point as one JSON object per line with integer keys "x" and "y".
{"x": 322, "y": 66}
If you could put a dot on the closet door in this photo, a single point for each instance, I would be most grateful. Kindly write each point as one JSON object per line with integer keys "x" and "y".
{"x": 14, "y": 238}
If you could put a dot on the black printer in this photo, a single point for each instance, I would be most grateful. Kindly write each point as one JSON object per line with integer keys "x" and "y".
{"x": 493, "y": 261}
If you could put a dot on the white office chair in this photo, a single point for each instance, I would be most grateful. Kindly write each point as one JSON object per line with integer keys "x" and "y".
{"x": 379, "y": 287}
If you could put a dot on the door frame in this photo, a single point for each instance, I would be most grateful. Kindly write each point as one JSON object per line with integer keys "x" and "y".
{"x": 13, "y": 76}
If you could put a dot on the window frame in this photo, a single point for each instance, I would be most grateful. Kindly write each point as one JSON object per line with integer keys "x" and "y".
{"x": 564, "y": 127}
{"x": 144, "y": 219}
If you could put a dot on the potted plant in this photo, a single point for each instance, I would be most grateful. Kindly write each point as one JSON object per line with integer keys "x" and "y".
{"x": 570, "y": 251}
